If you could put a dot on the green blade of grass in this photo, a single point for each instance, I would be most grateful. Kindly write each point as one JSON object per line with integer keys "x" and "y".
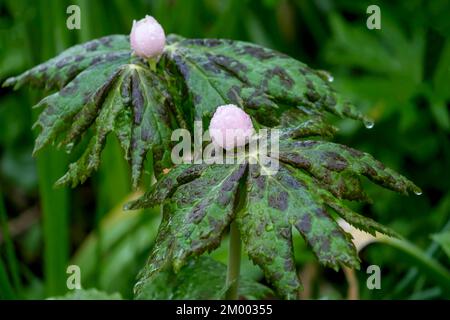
{"x": 11, "y": 258}
{"x": 6, "y": 290}
{"x": 51, "y": 165}
{"x": 433, "y": 269}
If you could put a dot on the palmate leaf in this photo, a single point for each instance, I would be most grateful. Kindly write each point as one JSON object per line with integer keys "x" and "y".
{"x": 262, "y": 81}
{"x": 104, "y": 87}
{"x": 57, "y": 72}
{"x": 199, "y": 202}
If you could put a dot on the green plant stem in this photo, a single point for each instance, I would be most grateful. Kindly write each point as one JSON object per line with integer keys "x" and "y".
{"x": 234, "y": 263}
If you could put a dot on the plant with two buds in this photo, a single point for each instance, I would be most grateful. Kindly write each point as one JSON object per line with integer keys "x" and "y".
{"x": 141, "y": 94}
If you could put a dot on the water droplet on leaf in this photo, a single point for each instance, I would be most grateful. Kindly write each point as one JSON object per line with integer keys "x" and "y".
{"x": 325, "y": 75}
{"x": 418, "y": 192}
{"x": 369, "y": 123}
{"x": 69, "y": 147}
{"x": 269, "y": 227}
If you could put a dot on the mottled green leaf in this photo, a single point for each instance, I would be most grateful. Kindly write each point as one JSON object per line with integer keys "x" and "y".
{"x": 106, "y": 89}
{"x": 194, "y": 218}
{"x": 85, "y": 92}
{"x": 102, "y": 86}
{"x": 275, "y": 204}
{"x": 312, "y": 180}
{"x": 261, "y": 80}
{"x": 132, "y": 103}
{"x": 201, "y": 278}
{"x": 57, "y": 72}
{"x": 338, "y": 167}
{"x": 152, "y": 121}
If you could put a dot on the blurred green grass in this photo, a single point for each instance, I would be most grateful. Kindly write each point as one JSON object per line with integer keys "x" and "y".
{"x": 399, "y": 75}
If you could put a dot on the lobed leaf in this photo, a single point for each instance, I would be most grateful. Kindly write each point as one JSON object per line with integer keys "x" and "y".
{"x": 338, "y": 167}
{"x": 57, "y": 72}
{"x": 262, "y": 81}
{"x": 275, "y": 204}
{"x": 195, "y": 217}
{"x": 101, "y": 86}
{"x": 313, "y": 179}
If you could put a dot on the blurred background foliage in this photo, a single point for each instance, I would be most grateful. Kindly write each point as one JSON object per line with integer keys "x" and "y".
{"x": 398, "y": 75}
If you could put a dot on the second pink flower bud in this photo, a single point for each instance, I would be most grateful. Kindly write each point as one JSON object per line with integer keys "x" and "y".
{"x": 147, "y": 38}
{"x": 230, "y": 127}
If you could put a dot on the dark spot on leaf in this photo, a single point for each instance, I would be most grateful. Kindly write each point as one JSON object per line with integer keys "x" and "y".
{"x": 147, "y": 134}
{"x": 79, "y": 57}
{"x": 72, "y": 72}
{"x": 197, "y": 213}
{"x": 296, "y": 159}
{"x": 312, "y": 96}
{"x": 206, "y": 42}
{"x": 286, "y": 233}
{"x": 71, "y": 88}
{"x": 284, "y": 77}
{"x": 304, "y": 225}
{"x": 42, "y": 69}
{"x": 303, "y": 71}
{"x": 86, "y": 97}
{"x": 50, "y": 110}
{"x": 288, "y": 265}
{"x": 368, "y": 170}
{"x": 257, "y": 52}
{"x": 278, "y": 200}
{"x": 111, "y": 56}
{"x": 334, "y": 161}
{"x": 324, "y": 245}
{"x": 181, "y": 66}
{"x": 62, "y": 63}
{"x": 224, "y": 198}
{"x": 291, "y": 182}
{"x": 197, "y": 98}
{"x": 233, "y": 94}
{"x": 96, "y": 60}
{"x": 190, "y": 174}
{"x": 306, "y": 144}
{"x": 92, "y": 45}
{"x": 137, "y": 98}
{"x": 106, "y": 41}
{"x": 355, "y": 153}
{"x": 330, "y": 100}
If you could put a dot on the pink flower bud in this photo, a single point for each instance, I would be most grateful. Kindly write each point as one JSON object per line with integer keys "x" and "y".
{"x": 147, "y": 38}
{"x": 230, "y": 127}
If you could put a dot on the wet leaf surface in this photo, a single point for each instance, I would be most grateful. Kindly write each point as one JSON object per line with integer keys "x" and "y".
{"x": 106, "y": 90}
{"x": 301, "y": 195}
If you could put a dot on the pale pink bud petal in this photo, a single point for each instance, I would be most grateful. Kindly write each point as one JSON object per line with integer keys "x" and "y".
{"x": 147, "y": 38}
{"x": 230, "y": 127}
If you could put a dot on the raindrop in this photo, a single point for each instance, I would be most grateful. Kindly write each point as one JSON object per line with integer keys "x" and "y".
{"x": 325, "y": 75}
{"x": 269, "y": 227}
{"x": 330, "y": 78}
{"x": 418, "y": 192}
{"x": 368, "y": 123}
{"x": 69, "y": 147}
